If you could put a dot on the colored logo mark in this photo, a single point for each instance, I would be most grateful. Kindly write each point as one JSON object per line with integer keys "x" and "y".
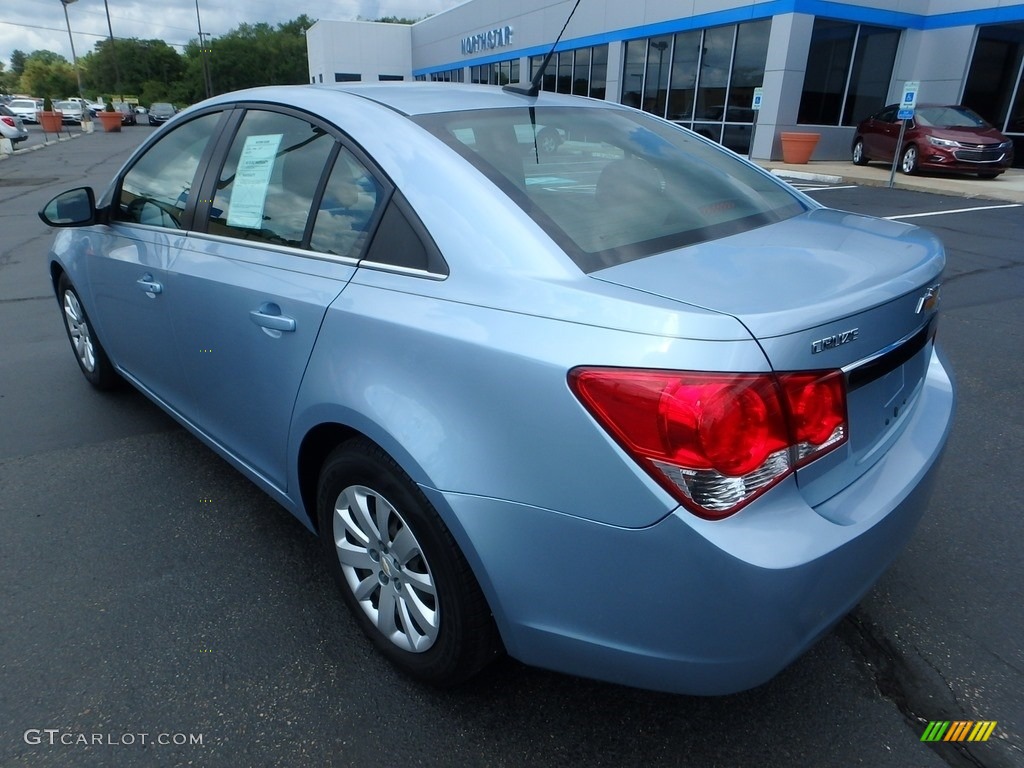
{"x": 958, "y": 730}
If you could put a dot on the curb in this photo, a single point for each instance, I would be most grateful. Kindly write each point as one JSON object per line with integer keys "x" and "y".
{"x": 805, "y": 176}
{"x": 45, "y": 144}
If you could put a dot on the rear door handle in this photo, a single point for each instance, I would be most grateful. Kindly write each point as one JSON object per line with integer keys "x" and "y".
{"x": 149, "y": 285}
{"x": 269, "y": 317}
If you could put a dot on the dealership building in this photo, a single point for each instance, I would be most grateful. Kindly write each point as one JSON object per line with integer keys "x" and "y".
{"x": 817, "y": 66}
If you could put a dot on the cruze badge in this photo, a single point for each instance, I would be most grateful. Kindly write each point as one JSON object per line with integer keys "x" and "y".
{"x": 929, "y": 301}
{"x": 835, "y": 340}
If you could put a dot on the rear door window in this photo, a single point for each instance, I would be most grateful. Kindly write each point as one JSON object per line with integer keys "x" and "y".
{"x": 271, "y": 176}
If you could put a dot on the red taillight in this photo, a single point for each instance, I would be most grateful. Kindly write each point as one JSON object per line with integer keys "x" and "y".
{"x": 716, "y": 441}
{"x": 7, "y": 120}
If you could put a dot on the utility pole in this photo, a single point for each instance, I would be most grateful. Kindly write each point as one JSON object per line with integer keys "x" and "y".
{"x": 207, "y": 80}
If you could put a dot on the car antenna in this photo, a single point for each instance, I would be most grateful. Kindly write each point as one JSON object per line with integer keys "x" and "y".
{"x": 534, "y": 88}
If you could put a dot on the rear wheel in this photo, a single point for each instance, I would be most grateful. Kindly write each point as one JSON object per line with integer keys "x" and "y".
{"x": 399, "y": 569}
{"x": 908, "y": 162}
{"x": 91, "y": 357}
{"x": 858, "y": 156}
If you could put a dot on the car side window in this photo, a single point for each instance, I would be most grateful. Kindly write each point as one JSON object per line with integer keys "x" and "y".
{"x": 349, "y": 205}
{"x": 266, "y": 188}
{"x": 888, "y": 115}
{"x": 156, "y": 189}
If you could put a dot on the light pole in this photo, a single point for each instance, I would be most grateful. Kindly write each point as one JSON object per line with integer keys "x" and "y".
{"x": 113, "y": 51}
{"x": 74, "y": 57}
{"x": 660, "y": 45}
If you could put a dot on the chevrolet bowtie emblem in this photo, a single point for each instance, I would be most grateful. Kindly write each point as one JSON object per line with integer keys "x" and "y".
{"x": 929, "y": 301}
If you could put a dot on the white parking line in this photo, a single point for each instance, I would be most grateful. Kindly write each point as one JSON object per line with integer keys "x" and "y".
{"x": 954, "y": 210}
{"x": 803, "y": 188}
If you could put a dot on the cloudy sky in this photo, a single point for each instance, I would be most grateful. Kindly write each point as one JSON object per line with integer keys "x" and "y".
{"x": 31, "y": 25}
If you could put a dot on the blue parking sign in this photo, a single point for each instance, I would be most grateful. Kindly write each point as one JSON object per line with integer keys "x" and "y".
{"x": 909, "y": 101}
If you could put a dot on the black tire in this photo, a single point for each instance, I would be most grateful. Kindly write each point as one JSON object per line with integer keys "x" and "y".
{"x": 857, "y": 154}
{"x": 908, "y": 160}
{"x": 92, "y": 358}
{"x": 437, "y": 626}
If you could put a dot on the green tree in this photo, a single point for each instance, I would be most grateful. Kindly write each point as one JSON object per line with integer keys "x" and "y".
{"x": 49, "y": 77}
{"x": 131, "y": 63}
{"x": 397, "y": 20}
{"x": 251, "y": 55}
{"x": 18, "y": 59}
{"x": 9, "y": 80}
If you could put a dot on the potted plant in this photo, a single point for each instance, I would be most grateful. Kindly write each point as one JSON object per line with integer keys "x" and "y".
{"x": 110, "y": 118}
{"x": 797, "y": 148}
{"x": 50, "y": 119}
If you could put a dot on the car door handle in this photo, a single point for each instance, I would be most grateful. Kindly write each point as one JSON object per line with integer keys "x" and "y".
{"x": 149, "y": 285}
{"x": 269, "y": 317}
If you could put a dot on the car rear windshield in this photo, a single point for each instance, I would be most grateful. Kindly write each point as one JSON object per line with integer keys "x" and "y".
{"x": 613, "y": 185}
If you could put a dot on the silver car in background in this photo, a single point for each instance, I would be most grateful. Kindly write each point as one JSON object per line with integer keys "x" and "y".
{"x": 547, "y": 375}
{"x": 26, "y": 109}
{"x": 11, "y": 126}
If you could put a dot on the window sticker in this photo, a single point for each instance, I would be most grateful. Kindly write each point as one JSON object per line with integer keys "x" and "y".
{"x": 252, "y": 177}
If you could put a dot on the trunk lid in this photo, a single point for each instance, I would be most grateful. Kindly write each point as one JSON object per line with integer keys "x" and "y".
{"x": 821, "y": 291}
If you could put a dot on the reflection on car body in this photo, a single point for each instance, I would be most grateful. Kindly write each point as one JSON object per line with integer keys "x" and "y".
{"x": 572, "y": 405}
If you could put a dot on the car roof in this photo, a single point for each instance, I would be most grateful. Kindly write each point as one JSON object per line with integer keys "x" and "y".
{"x": 419, "y": 98}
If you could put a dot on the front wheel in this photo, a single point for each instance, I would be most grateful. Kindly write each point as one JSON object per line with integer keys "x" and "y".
{"x": 858, "y": 156}
{"x": 399, "y": 569}
{"x": 908, "y": 163}
{"x": 91, "y": 357}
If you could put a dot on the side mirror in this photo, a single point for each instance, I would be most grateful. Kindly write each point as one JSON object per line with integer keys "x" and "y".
{"x": 74, "y": 208}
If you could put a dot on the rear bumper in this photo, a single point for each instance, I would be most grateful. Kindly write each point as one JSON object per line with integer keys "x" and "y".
{"x": 692, "y": 606}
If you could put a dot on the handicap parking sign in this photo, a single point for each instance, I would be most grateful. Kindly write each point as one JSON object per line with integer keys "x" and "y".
{"x": 909, "y": 100}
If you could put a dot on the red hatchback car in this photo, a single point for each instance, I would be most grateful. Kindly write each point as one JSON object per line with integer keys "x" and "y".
{"x": 937, "y": 138}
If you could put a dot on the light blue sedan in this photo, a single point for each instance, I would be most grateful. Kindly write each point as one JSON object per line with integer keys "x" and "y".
{"x": 620, "y": 405}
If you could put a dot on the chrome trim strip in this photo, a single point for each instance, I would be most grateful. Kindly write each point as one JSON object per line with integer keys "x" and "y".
{"x": 205, "y": 236}
{"x": 410, "y": 271}
{"x": 846, "y": 369}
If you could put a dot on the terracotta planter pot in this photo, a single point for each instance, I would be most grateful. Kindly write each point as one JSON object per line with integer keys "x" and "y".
{"x": 51, "y": 121}
{"x": 797, "y": 148}
{"x": 111, "y": 121}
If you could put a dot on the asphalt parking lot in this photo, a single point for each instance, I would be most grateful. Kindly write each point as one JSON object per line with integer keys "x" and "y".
{"x": 153, "y": 598}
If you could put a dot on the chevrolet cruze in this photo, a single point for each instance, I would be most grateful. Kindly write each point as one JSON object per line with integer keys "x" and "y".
{"x": 620, "y": 405}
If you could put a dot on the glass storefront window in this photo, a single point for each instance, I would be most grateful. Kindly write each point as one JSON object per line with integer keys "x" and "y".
{"x": 994, "y": 73}
{"x": 714, "y": 73}
{"x": 583, "y": 71}
{"x": 849, "y": 68}
{"x": 747, "y": 69}
{"x": 872, "y": 71}
{"x": 659, "y": 58}
{"x": 634, "y": 58}
{"x": 497, "y": 73}
{"x": 598, "y": 71}
{"x": 683, "y": 83}
{"x": 703, "y": 79}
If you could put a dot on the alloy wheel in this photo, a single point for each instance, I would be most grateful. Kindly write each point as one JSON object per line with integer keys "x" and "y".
{"x": 384, "y": 566}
